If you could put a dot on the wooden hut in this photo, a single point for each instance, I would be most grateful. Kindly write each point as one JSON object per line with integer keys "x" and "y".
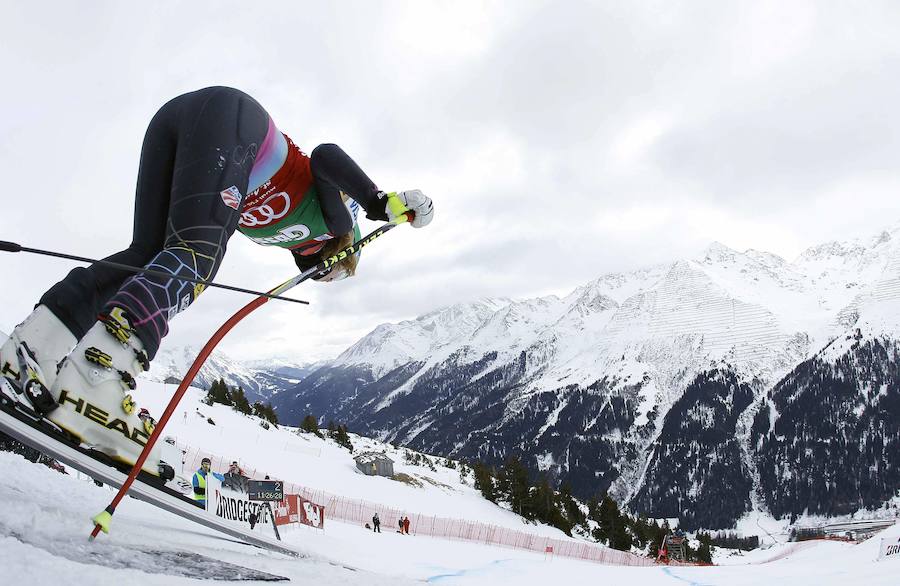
{"x": 375, "y": 464}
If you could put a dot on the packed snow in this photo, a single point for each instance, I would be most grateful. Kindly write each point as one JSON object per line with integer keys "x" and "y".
{"x": 44, "y": 526}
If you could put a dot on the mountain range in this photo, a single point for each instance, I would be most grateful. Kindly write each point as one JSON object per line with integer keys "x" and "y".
{"x": 703, "y": 388}
{"x": 260, "y": 379}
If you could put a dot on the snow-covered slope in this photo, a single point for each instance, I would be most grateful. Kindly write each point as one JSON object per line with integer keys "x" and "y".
{"x": 44, "y": 526}
{"x": 320, "y": 464}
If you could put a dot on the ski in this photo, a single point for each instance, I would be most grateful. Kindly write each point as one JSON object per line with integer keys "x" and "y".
{"x": 36, "y": 432}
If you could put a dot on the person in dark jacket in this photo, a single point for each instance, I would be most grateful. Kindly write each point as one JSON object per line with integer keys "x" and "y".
{"x": 376, "y": 524}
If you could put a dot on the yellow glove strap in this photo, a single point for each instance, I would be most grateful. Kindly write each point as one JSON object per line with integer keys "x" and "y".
{"x": 396, "y": 208}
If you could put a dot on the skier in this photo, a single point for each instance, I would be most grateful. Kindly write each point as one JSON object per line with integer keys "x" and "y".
{"x": 212, "y": 161}
{"x": 376, "y": 524}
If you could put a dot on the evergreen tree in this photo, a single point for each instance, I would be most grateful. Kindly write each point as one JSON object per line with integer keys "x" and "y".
{"x": 516, "y": 482}
{"x": 547, "y": 506}
{"x": 573, "y": 512}
{"x": 539, "y": 502}
{"x": 240, "y": 401}
{"x": 689, "y": 554}
{"x": 704, "y": 552}
{"x": 342, "y": 437}
{"x": 218, "y": 393}
{"x": 621, "y": 538}
{"x": 271, "y": 415}
{"x": 484, "y": 481}
{"x": 463, "y": 471}
{"x": 641, "y": 529}
{"x": 609, "y": 518}
{"x": 265, "y": 411}
{"x": 310, "y": 425}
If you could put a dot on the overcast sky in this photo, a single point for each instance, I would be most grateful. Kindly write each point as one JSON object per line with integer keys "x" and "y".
{"x": 559, "y": 140}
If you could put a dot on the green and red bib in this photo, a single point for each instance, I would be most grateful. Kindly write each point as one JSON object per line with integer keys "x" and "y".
{"x": 284, "y": 211}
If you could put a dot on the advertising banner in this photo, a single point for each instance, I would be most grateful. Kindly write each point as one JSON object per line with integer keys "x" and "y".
{"x": 287, "y": 510}
{"x": 236, "y": 506}
{"x": 311, "y": 514}
{"x": 890, "y": 548}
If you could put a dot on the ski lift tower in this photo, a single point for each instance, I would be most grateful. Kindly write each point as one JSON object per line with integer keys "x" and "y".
{"x": 672, "y": 549}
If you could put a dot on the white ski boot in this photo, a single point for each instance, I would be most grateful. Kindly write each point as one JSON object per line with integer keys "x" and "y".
{"x": 30, "y": 357}
{"x": 93, "y": 394}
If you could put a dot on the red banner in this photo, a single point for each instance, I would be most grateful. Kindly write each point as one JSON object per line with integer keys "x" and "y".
{"x": 295, "y": 509}
{"x": 311, "y": 514}
{"x": 287, "y": 511}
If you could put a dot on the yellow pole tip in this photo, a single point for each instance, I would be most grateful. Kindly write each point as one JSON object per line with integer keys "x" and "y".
{"x": 102, "y": 520}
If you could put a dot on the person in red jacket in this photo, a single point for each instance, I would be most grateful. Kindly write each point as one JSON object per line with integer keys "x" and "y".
{"x": 212, "y": 162}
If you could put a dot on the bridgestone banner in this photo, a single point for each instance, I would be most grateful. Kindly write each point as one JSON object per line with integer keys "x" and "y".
{"x": 890, "y": 548}
{"x": 235, "y": 506}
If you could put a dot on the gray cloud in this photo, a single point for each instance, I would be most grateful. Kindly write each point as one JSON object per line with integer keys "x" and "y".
{"x": 559, "y": 143}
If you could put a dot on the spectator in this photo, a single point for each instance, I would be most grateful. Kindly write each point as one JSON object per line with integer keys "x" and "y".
{"x": 376, "y": 524}
{"x": 400, "y": 523}
{"x": 406, "y": 525}
{"x": 199, "y": 482}
{"x": 235, "y": 478}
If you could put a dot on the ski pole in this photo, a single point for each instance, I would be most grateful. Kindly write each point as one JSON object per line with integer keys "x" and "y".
{"x": 103, "y": 519}
{"x": 13, "y": 247}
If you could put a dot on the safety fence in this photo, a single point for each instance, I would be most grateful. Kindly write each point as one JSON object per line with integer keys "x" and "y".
{"x": 361, "y": 512}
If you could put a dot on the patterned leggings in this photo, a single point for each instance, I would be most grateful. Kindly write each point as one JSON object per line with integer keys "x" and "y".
{"x": 197, "y": 146}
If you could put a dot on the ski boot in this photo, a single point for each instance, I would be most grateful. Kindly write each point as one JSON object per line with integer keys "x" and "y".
{"x": 93, "y": 394}
{"x": 30, "y": 357}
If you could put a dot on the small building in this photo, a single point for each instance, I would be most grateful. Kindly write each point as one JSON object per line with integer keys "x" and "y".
{"x": 375, "y": 464}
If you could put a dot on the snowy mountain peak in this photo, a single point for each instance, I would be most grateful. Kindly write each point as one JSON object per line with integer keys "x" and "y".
{"x": 391, "y": 345}
{"x": 717, "y": 253}
{"x": 833, "y": 249}
{"x": 882, "y": 238}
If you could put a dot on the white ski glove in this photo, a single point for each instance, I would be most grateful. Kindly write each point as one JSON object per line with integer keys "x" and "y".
{"x": 398, "y": 204}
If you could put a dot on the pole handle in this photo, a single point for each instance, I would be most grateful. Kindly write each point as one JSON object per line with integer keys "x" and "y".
{"x": 10, "y": 246}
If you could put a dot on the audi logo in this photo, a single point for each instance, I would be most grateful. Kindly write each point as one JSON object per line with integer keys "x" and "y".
{"x": 265, "y": 213}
